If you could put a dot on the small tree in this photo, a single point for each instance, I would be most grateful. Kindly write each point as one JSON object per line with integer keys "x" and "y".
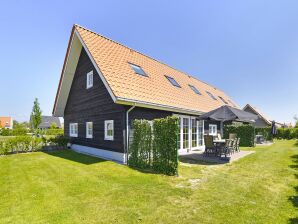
{"x": 35, "y": 115}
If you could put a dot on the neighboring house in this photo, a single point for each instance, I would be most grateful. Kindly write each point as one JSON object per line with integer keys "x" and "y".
{"x": 47, "y": 121}
{"x": 263, "y": 121}
{"x": 105, "y": 85}
{"x": 6, "y": 122}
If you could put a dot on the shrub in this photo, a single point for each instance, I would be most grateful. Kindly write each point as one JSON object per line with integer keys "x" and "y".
{"x": 140, "y": 148}
{"x": 29, "y": 143}
{"x": 53, "y": 132}
{"x": 287, "y": 133}
{"x": 244, "y": 132}
{"x": 155, "y": 148}
{"x": 165, "y": 145}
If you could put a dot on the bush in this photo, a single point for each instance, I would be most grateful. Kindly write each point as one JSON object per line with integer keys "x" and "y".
{"x": 155, "y": 148}
{"x": 30, "y": 144}
{"x": 165, "y": 145}
{"x": 287, "y": 133}
{"x": 53, "y": 132}
{"x": 140, "y": 149}
{"x": 244, "y": 132}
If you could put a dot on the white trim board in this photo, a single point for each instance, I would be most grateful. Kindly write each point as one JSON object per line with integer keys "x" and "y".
{"x": 101, "y": 153}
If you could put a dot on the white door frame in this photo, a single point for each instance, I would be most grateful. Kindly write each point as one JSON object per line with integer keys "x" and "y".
{"x": 190, "y": 148}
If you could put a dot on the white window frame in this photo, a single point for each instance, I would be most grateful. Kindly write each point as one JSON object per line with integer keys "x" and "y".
{"x": 213, "y": 129}
{"x": 73, "y": 129}
{"x": 89, "y": 83}
{"x": 107, "y": 137}
{"x": 88, "y": 135}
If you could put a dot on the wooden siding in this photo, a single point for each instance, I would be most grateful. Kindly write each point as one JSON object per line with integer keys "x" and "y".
{"x": 94, "y": 105}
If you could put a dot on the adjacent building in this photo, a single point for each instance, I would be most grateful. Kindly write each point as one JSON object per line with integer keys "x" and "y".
{"x": 6, "y": 122}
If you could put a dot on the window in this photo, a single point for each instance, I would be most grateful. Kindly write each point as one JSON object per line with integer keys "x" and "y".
{"x": 138, "y": 70}
{"x": 213, "y": 129}
{"x": 89, "y": 79}
{"x": 211, "y": 95}
{"x": 185, "y": 133}
{"x": 109, "y": 130}
{"x": 89, "y": 130}
{"x": 73, "y": 129}
{"x": 223, "y": 100}
{"x": 173, "y": 81}
{"x": 195, "y": 89}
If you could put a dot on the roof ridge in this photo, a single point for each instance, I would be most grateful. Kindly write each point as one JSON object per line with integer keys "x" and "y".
{"x": 190, "y": 76}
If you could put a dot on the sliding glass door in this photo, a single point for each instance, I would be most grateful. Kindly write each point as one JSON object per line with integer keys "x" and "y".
{"x": 191, "y": 133}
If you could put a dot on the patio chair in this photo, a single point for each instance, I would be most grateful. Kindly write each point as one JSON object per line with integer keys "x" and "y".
{"x": 209, "y": 145}
{"x": 232, "y": 136}
{"x": 227, "y": 150}
{"x": 237, "y": 145}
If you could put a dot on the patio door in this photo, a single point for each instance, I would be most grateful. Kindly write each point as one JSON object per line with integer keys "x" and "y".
{"x": 191, "y": 133}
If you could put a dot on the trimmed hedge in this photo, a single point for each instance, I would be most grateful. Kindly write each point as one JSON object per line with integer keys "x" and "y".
{"x": 155, "y": 146}
{"x": 287, "y": 133}
{"x": 30, "y": 144}
{"x": 244, "y": 132}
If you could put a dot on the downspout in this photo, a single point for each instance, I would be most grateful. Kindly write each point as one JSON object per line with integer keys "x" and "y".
{"x": 127, "y": 132}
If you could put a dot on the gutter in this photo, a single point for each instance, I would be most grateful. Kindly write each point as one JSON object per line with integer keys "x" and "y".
{"x": 127, "y": 133}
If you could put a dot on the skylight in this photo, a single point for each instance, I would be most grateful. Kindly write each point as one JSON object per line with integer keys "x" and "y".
{"x": 211, "y": 95}
{"x": 223, "y": 100}
{"x": 138, "y": 70}
{"x": 195, "y": 89}
{"x": 173, "y": 81}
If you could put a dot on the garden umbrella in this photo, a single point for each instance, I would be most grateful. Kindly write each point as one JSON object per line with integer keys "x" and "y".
{"x": 227, "y": 113}
{"x": 273, "y": 128}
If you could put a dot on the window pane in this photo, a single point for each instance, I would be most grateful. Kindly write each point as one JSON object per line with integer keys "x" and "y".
{"x": 211, "y": 95}
{"x": 173, "y": 81}
{"x": 138, "y": 69}
{"x": 194, "y": 131}
{"x": 185, "y": 133}
{"x": 195, "y": 89}
{"x": 222, "y": 99}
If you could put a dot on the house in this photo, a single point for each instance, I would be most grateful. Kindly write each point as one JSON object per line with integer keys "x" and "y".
{"x": 47, "y": 121}
{"x": 6, "y": 122}
{"x": 263, "y": 121}
{"x": 105, "y": 85}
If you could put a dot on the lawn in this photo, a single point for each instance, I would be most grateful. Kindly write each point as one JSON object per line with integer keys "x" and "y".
{"x": 66, "y": 187}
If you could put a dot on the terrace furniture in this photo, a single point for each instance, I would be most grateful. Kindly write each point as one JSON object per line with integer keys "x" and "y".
{"x": 232, "y": 136}
{"x": 238, "y": 145}
{"x": 209, "y": 145}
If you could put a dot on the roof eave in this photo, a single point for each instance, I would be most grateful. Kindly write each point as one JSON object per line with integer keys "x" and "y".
{"x": 144, "y": 104}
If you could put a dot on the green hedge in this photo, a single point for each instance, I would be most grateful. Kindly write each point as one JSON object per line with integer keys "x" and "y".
{"x": 244, "y": 132}
{"x": 266, "y": 132}
{"x": 30, "y": 144}
{"x": 155, "y": 147}
{"x": 287, "y": 133}
{"x": 140, "y": 149}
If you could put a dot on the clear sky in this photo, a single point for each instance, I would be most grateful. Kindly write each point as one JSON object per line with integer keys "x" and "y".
{"x": 249, "y": 49}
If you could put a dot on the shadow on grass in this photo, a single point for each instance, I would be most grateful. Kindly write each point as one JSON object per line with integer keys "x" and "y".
{"x": 75, "y": 157}
{"x": 294, "y": 198}
{"x": 296, "y": 143}
{"x": 202, "y": 160}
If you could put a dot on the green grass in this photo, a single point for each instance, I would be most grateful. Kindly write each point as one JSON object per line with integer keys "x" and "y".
{"x": 66, "y": 187}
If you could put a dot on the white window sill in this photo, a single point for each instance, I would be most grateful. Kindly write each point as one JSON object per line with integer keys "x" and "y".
{"x": 89, "y": 136}
{"x": 74, "y": 136}
{"x": 109, "y": 138}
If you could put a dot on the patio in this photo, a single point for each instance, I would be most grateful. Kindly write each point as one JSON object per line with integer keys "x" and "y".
{"x": 196, "y": 157}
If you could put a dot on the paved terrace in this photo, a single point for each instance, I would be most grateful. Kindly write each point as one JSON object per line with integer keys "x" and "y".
{"x": 198, "y": 156}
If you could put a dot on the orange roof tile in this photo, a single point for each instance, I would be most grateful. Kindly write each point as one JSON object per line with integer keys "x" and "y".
{"x": 113, "y": 60}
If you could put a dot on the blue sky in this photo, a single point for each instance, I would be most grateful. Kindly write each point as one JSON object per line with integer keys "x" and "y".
{"x": 249, "y": 49}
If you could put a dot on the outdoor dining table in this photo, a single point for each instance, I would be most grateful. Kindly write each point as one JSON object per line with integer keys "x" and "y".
{"x": 219, "y": 145}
